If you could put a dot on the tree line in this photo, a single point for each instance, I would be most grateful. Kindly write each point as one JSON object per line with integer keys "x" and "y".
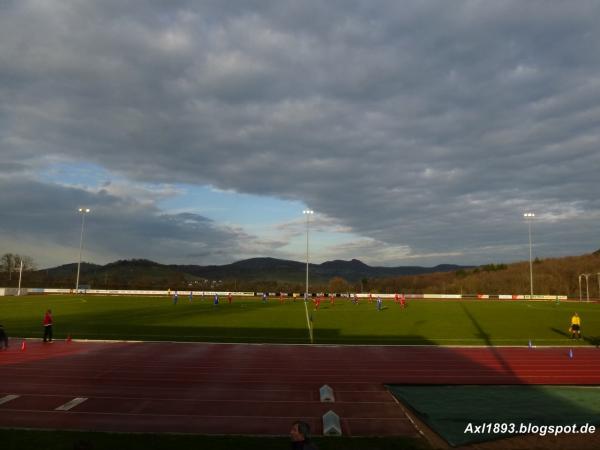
{"x": 10, "y": 265}
{"x": 553, "y": 276}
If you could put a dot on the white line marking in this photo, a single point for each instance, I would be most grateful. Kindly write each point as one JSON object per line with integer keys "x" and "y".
{"x": 564, "y": 343}
{"x": 8, "y": 398}
{"x": 72, "y": 404}
{"x": 310, "y": 331}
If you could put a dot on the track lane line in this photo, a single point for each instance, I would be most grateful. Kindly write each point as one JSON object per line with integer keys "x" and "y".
{"x": 8, "y": 398}
{"x": 71, "y": 404}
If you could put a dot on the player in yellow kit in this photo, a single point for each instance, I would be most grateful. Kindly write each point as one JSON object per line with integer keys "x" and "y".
{"x": 575, "y": 328}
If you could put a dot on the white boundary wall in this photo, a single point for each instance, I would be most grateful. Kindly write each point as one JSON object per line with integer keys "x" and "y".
{"x": 201, "y": 294}
{"x": 168, "y": 292}
{"x": 11, "y": 291}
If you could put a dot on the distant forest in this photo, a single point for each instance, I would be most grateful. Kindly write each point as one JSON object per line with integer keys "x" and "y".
{"x": 552, "y": 276}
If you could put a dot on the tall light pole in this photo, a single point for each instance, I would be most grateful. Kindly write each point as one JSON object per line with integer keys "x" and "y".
{"x": 83, "y": 212}
{"x": 20, "y": 276}
{"x": 529, "y": 217}
{"x": 307, "y": 213}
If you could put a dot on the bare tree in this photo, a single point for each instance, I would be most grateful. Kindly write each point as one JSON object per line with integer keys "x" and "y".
{"x": 338, "y": 284}
{"x": 28, "y": 263}
{"x": 11, "y": 262}
{"x": 7, "y": 264}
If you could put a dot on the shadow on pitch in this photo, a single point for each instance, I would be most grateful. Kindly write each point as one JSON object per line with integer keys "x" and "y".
{"x": 482, "y": 334}
{"x": 592, "y": 340}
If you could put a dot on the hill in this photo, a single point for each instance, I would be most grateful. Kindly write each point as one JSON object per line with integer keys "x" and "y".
{"x": 250, "y": 274}
{"x": 551, "y": 276}
{"x": 293, "y": 271}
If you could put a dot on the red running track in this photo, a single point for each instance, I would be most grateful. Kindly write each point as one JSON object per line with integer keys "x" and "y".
{"x": 252, "y": 389}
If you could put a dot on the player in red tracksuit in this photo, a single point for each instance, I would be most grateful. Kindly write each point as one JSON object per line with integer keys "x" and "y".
{"x": 48, "y": 326}
{"x": 403, "y": 301}
{"x": 229, "y": 298}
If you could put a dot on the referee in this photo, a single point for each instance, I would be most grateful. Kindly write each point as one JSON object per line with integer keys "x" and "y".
{"x": 575, "y": 326}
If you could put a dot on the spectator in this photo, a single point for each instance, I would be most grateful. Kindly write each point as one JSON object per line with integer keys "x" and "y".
{"x": 3, "y": 338}
{"x": 48, "y": 326}
{"x": 300, "y": 435}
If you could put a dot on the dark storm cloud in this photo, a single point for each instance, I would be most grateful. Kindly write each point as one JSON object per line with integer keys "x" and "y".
{"x": 431, "y": 125}
{"x": 116, "y": 228}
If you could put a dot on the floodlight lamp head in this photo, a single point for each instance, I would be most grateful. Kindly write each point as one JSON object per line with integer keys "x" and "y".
{"x": 84, "y": 210}
{"x": 529, "y": 215}
{"x": 308, "y": 211}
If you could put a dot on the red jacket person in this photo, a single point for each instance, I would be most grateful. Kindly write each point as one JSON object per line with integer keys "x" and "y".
{"x": 48, "y": 326}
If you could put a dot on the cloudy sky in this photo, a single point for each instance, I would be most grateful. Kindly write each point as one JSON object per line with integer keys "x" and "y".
{"x": 197, "y": 131}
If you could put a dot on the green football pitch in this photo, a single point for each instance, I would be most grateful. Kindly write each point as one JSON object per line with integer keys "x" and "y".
{"x": 440, "y": 322}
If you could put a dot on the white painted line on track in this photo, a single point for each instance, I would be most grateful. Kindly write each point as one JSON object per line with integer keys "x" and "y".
{"x": 8, "y": 398}
{"x": 562, "y": 344}
{"x": 72, "y": 404}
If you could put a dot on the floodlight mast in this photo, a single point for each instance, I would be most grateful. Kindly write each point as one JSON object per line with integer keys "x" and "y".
{"x": 307, "y": 213}
{"x": 529, "y": 217}
{"x": 83, "y": 212}
{"x": 20, "y": 276}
